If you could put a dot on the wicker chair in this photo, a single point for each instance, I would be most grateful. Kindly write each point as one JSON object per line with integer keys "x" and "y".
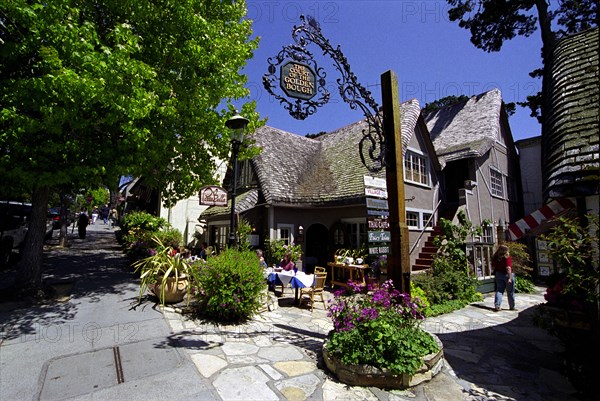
{"x": 315, "y": 291}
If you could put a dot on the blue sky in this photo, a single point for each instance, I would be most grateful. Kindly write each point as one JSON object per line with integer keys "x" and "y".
{"x": 432, "y": 56}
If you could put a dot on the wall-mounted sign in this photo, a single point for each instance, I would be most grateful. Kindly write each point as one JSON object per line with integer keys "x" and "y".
{"x": 380, "y": 236}
{"x": 298, "y": 80}
{"x": 377, "y": 204}
{"x": 378, "y": 223}
{"x": 213, "y": 195}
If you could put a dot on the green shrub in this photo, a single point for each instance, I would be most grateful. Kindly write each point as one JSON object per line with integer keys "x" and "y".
{"x": 447, "y": 285}
{"x": 416, "y": 292}
{"x": 524, "y": 285}
{"x": 521, "y": 260}
{"x": 170, "y": 237}
{"x": 228, "y": 285}
{"x": 274, "y": 251}
{"x": 140, "y": 227}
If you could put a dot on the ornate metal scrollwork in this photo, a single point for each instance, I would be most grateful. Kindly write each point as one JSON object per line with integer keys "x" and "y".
{"x": 372, "y": 145}
{"x": 300, "y": 108}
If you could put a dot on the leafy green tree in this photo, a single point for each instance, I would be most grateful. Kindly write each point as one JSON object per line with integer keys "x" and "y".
{"x": 491, "y": 23}
{"x": 94, "y": 90}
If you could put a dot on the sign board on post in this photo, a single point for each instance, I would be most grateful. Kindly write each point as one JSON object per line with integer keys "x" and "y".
{"x": 374, "y": 182}
{"x": 379, "y": 236}
{"x": 379, "y": 250}
{"x": 377, "y": 205}
{"x": 213, "y": 195}
{"x": 378, "y": 223}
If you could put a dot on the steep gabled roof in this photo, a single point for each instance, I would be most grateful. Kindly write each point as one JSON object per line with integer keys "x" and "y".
{"x": 466, "y": 129}
{"x": 326, "y": 170}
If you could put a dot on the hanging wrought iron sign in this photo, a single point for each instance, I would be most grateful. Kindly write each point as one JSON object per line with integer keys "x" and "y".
{"x": 301, "y": 80}
{"x": 298, "y": 80}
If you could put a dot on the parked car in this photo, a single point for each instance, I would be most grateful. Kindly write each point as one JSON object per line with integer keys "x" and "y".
{"x": 13, "y": 228}
{"x": 54, "y": 216}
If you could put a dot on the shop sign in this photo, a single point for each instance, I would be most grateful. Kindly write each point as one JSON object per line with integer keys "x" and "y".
{"x": 213, "y": 195}
{"x": 298, "y": 80}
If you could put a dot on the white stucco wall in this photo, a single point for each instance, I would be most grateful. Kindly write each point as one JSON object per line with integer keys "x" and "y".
{"x": 530, "y": 151}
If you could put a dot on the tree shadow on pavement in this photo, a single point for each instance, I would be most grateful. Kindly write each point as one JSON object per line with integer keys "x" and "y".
{"x": 516, "y": 359}
{"x": 85, "y": 271}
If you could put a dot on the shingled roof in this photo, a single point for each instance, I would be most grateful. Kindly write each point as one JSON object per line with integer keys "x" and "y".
{"x": 571, "y": 142}
{"x": 326, "y": 170}
{"x": 466, "y": 129}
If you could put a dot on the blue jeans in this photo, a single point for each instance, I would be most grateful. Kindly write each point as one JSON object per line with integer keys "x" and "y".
{"x": 501, "y": 285}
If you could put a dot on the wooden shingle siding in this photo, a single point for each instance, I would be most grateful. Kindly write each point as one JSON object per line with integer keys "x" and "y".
{"x": 571, "y": 147}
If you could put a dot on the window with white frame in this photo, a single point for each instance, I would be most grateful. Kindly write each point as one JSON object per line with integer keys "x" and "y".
{"x": 419, "y": 219}
{"x": 357, "y": 232}
{"x": 416, "y": 168}
{"x": 412, "y": 219}
{"x": 487, "y": 234}
{"x": 496, "y": 183}
{"x": 358, "y": 235}
{"x": 285, "y": 232}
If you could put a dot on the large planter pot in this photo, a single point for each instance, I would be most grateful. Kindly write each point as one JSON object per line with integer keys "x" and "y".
{"x": 370, "y": 376}
{"x": 174, "y": 291}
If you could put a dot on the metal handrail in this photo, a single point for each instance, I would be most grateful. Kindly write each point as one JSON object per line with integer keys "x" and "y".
{"x": 424, "y": 227}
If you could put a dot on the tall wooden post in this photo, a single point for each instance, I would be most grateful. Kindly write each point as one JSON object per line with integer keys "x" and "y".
{"x": 399, "y": 258}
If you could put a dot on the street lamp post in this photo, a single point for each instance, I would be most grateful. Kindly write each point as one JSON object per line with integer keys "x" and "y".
{"x": 237, "y": 124}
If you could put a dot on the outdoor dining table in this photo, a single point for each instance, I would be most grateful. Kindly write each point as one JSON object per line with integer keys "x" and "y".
{"x": 295, "y": 280}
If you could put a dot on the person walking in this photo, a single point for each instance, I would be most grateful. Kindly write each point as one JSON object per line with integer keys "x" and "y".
{"x": 105, "y": 211}
{"x": 113, "y": 218}
{"x": 504, "y": 277}
{"x": 82, "y": 222}
{"x": 95, "y": 213}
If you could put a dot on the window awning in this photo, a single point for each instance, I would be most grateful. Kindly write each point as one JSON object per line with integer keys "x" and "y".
{"x": 536, "y": 219}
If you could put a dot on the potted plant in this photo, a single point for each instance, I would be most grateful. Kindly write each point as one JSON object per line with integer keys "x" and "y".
{"x": 377, "y": 340}
{"x": 165, "y": 273}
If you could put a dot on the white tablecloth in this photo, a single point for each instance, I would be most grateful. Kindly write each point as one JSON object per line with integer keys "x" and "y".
{"x": 298, "y": 280}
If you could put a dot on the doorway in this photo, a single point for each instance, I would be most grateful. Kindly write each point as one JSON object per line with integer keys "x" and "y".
{"x": 317, "y": 248}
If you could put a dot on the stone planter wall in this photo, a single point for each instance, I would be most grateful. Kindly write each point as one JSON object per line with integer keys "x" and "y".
{"x": 369, "y": 376}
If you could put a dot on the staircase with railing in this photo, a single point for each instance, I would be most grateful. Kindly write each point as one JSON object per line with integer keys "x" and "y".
{"x": 428, "y": 251}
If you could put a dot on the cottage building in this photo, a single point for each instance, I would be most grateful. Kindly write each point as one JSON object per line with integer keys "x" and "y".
{"x": 311, "y": 190}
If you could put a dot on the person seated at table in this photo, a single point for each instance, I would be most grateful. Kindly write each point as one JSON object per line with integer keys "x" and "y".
{"x": 286, "y": 263}
{"x": 261, "y": 259}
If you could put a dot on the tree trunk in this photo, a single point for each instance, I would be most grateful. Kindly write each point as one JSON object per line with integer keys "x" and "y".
{"x": 548, "y": 44}
{"x": 63, "y": 234}
{"x": 29, "y": 268}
